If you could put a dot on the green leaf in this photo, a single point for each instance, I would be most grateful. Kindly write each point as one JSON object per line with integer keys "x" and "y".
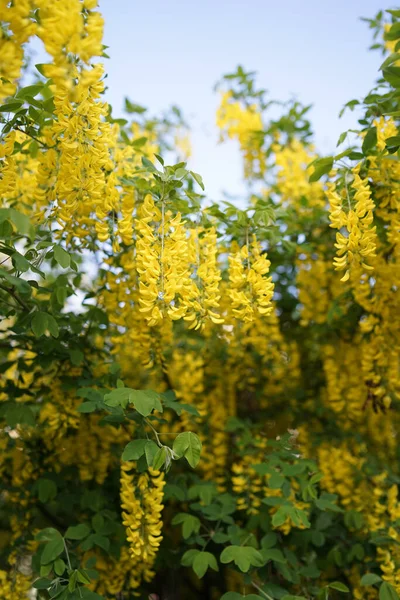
{"x": 82, "y": 576}
{"x": 52, "y": 326}
{"x": 180, "y": 173}
{"x": 244, "y": 557}
{"x": 39, "y": 323}
{"x": 98, "y": 523}
{"x": 269, "y": 540}
{"x": 148, "y": 164}
{"x": 370, "y": 579}
{"x": 145, "y": 401}
{"x": 77, "y": 532}
{"x": 273, "y": 554}
{"x": 190, "y": 524}
{"x": 130, "y": 107}
{"x": 202, "y": 562}
{"x": 42, "y": 584}
{"x": 322, "y": 166}
{"x": 30, "y": 90}
{"x": 47, "y": 490}
{"x": 86, "y": 594}
{"x": 46, "y": 569}
{"x": 87, "y": 407}
{"x": 188, "y": 558}
{"x": 323, "y": 504}
{"x": 41, "y": 68}
{"x": 237, "y": 596}
{"x": 134, "y": 450}
{"x": 393, "y": 143}
{"x": 290, "y": 597}
{"x": 275, "y": 591}
{"x": 387, "y": 592}
{"x": 101, "y": 541}
{"x": 342, "y": 137}
{"x": 19, "y": 413}
{"x": 20, "y": 262}
{"x": 12, "y": 106}
{"x": 198, "y": 178}
{"x": 22, "y": 286}
{"x": 21, "y": 222}
{"x": 370, "y": 140}
{"x": 178, "y": 407}
{"x": 292, "y": 470}
{"x": 52, "y": 550}
{"x": 160, "y": 458}
{"x": 118, "y": 397}
{"x": 317, "y": 538}
{"x": 62, "y": 257}
{"x": 150, "y": 450}
{"x": 59, "y": 566}
{"x": 47, "y": 535}
{"x": 72, "y": 581}
{"x": 392, "y": 75}
{"x": 276, "y": 481}
{"x": 339, "y": 586}
{"x": 316, "y": 477}
{"x": 188, "y": 444}
{"x": 280, "y": 516}
{"x": 77, "y": 357}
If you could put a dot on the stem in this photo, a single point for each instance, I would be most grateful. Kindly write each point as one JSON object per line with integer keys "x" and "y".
{"x": 15, "y": 296}
{"x": 247, "y": 244}
{"x": 5, "y": 260}
{"x": 162, "y": 243}
{"x": 154, "y": 431}
{"x": 253, "y": 583}
{"x": 248, "y": 258}
{"x": 67, "y": 553}
{"x": 31, "y": 136}
{"x": 347, "y": 190}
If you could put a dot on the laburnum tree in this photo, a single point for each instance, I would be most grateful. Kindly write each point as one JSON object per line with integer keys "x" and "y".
{"x": 196, "y": 400}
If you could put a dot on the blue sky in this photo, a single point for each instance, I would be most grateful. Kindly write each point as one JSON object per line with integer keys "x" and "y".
{"x": 165, "y": 52}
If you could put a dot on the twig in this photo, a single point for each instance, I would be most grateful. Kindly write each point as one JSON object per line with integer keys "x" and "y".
{"x": 15, "y": 296}
{"x": 32, "y": 136}
{"x": 67, "y": 553}
{"x": 253, "y": 583}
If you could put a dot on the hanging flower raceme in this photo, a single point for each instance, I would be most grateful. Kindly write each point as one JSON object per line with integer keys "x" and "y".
{"x": 251, "y": 289}
{"x": 141, "y": 503}
{"x": 245, "y": 125}
{"x": 162, "y": 262}
{"x": 359, "y": 245}
{"x": 69, "y": 28}
{"x": 83, "y": 139}
{"x": 293, "y": 185}
{"x": 201, "y": 294}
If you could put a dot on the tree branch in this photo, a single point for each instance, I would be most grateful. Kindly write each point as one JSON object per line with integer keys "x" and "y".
{"x": 11, "y": 292}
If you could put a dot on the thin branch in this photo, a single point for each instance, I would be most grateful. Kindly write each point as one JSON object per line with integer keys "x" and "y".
{"x": 32, "y": 136}
{"x": 253, "y": 583}
{"x": 15, "y": 296}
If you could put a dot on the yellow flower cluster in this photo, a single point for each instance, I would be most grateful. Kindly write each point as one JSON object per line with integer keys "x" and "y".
{"x": 116, "y": 575}
{"x": 251, "y": 290}
{"x": 359, "y": 245}
{"x": 14, "y": 586}
{"x": 292, "y": 177}
{"x": 243, "y": 123}
{"x": 141, "y": 503}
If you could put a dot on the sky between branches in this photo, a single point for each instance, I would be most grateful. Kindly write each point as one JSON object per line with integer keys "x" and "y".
{"x": 164, "y": 53}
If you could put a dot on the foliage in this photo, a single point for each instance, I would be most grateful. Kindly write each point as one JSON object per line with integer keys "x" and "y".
{"x": 196, "y": 400}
